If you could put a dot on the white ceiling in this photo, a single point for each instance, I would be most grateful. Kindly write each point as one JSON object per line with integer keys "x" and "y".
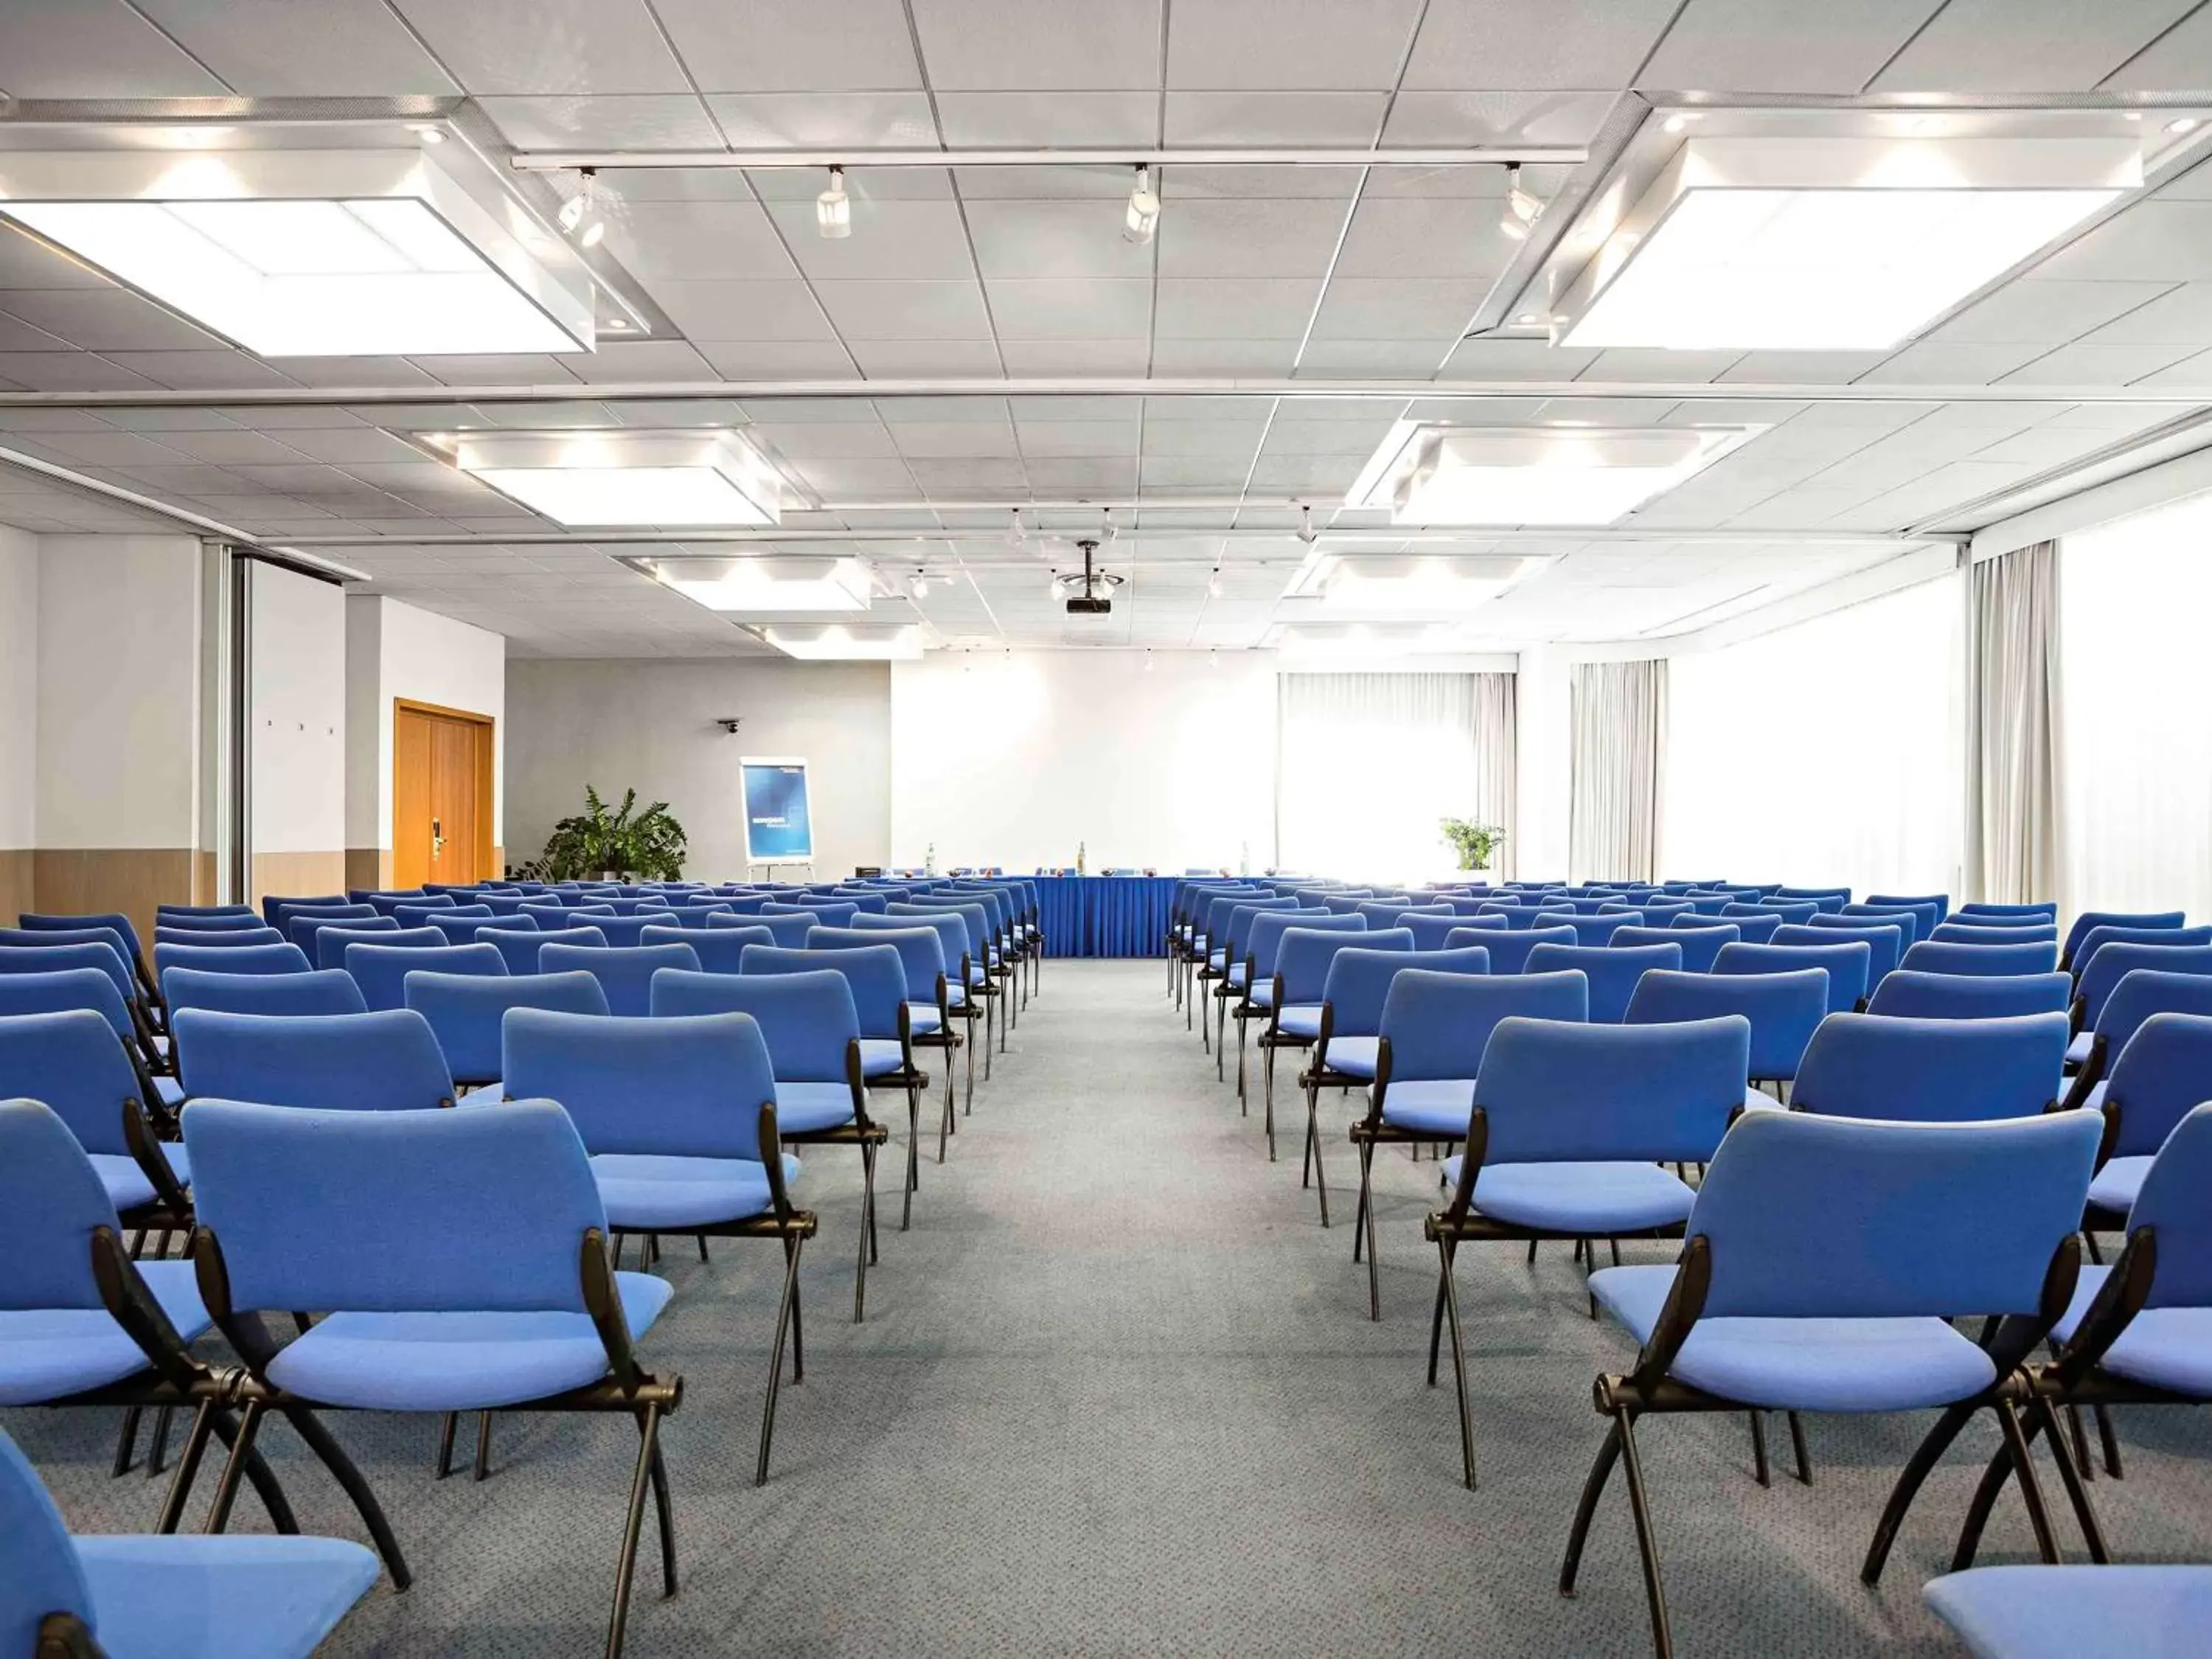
{"x": 1313, "y": 274}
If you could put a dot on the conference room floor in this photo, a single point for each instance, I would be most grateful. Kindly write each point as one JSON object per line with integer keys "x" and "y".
{"x": 1118, "y": 1394}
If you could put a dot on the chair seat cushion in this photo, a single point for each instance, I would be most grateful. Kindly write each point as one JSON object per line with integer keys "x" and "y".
{"x": 182, "y": 1597}
{"x": 126, "y": 1184}
{"x": 1353, "y": 1055}
{"x": 49, "y": 1353}
{"x": 2163, "y": 1347}
{"x": 1217, "y": 961}
{"x": 2077, "y": 1051}
{"x": 880, "y": 1056}
{"x": 1262, "y": 996}
{"x": 803, "y": 1108}
{"x": 1805, "y": 1364}
{"x": 923, "y": 1019}
{"x": 1433, "y": 1106}
{"x": 1236, "y": 976}
{"x": 1597, "y": 1199}
{"x": 1300, "y": 1019}
{"x": 457, "y": 1361}
{"x": 2075, "y": 1613}
{"x": 2118, "y": 1183}
{"x": 645, "y": 1193}
{"x": 168, "y": 1090}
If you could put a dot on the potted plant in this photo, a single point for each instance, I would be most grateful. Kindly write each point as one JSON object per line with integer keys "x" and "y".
{"x": 648, "y": 845}
{"x": 1476, "y": 843}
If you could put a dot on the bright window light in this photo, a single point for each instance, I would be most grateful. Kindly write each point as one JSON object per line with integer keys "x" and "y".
{"x": 1830, "y": 244}
{"x": 840, "y": 644}
{"x": 770, "y": 587}
{"x": 694, "y": 478}
{"x": 290, "y": 278}
{"x": 1506, "y": 477}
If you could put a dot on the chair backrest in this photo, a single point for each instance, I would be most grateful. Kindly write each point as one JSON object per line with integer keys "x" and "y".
{"x": 460, "y": 927}
{"x": 833, "y": 912}
{"x": 299, "y": 922}
{"x": 1700, "y": 938}
{"x": 2084, "y": 951}
{"x": 45, "y": 1575}
{"x": 1303, "y": 959}
{"x": 521, "y": 950}
{"x": 1784, "y": 1009}
{"x": 2114, "y": 963}
{"x": 1237, "y": 931}
{"x": 1509, "y": 950}
{"x": 2143, "y": 993}
{"x": 679, "y": 1085}
{"x": 1556, "y": 1092}
{"x": 2171, "y": 1202}
{"x": 61, "y": 958}
{"x": 261, "y": 960}
{"x": 1799, "y": 911}
{"x": 383, "y": 1061}
{"x": 622, "y": 931}
{"x": 1433, "y": 932}
{"x": 1931, "y": 957}
{"x": 424, "y": 916}
{"x": 1828, "y": 898}
{"x": 465, "y": 1011}
{"x": 1264, "y": 944}
{"x": 114, "y": 919}
{"x": 1438, "y": 1025}
{"x": 1597, "y": 930}
{"x": 477, "y": 1211}
{"x": 90, "y": 989}
{"x": 1931, "y": 1071}
{"x": 1756, "y": 926}
{"x": 2083, "y": 923}
{"x": 875, "y": 971}
{"x": 2045, "y": 908}
{"x": 695, "y": 916}
{"x": 719, "y": 950}
{"x": 1973, "y": 931}
{"x": 1358, "y": 977}
{"x": 70, "y": 1061}
{"x": 381, "y": 970}
{"x": 207, "y": 915}
{"x": 1921, "y": 916}
{"x": 1802, "y": 1211}
{"x": 1845, "y": 964}
{"x": 1883, "y": 951}
{"x": 1519, "y": 917}
{"x": 219, "y": 939}
{"x": 922, "y": 952}
{"x": 325, "y": 941}
{"x": 808, "y": 1019}
{"x": 951, "y": 934}
{"x": 624, "y": 971}
{"x": 1919, "y": 995}
{"x": 1612, "y": 970}
{"x": 1940, "y": 901}
{"x": 332, "y": 990}
{"x": 2163, "y": 1071}
{"x": 973, "y": 917}
{"x": 417, "y": 901}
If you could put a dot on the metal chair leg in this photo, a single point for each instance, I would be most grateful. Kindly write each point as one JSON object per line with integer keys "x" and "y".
{"x": 867, "y": 1229}
{"x": 1758, "y": 1470}
{"x": 446, "y": 1431}
{"x": 1458, "y": 1369}
{"x": 1366, "y": 1221}
{"x": 1797, "y": 1446}
{"x": 1647, "y": 1540}
{"x": 1924, "y": 1458}
{"x": 483, "y": 1445}
{"x": 309, "y": 1428}
{"x": 1586, "y": 1506}
{"x": 626, "y": 1565}
{"x": 775, "y": 1361}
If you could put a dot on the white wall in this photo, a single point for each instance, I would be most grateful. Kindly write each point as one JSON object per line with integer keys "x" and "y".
{"x": 119, "y": 662}
{"x": 1545, "y": 751}
{"x": 651, "y": 726}
{"x": 19, "y": 688}
{"x": 2135, "y": 686}
{"x": 297, "y": 712}
{"x": 393, "y": 650}
{"x": 1829, "y": 752}
{"x": 1016, "y": 759}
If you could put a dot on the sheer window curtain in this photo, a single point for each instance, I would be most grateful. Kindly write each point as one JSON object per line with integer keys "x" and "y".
{"x": 2012, "y": 821}
{"x": 1370, "y": 763}
{"x": 1619, "y": 723}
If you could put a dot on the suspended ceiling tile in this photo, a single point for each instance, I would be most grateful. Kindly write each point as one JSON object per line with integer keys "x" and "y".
{"x": 954, "y": 440}
{"x": 527, "y": 46}
{"x": 100, "y": 319}
{"x": 793, "y": 46}
{"x": 1227, "y": 310}
{"x": 2153, "y": 241}
{"x": 1516, "y": 359}
{"x": 901, "y": 359}
{"x": 1201, "y": 357}
{"x": 220, "y": 370}
{"x": 746, "y": 360}
{"x": 1769, "y": 48}
{"x": 698, "y": 239}
{"x": 93, "y": 49}
{"x": 2182, "y": 316}
{"x": 619, "y": 360}
{"x": 2026, "y": 45}
{"x": 1433, "y": 309}
{"x": 1204, "y": 119}
{"x": 1081, "y": 239}
{"x": 280, "y": 49}
{"x": 941, "y": 310}
{"x": 835, "y": 120}
{"x": 1089, "y": 439}
{"x": 1360, "y": 360}
{"x": 890, "y": 239}
{"x": 1269, "y": 238}
{"x": 1067, "y": 309}
{"x": 2046, "y": 311}
{"x": 1049, "y": 357}
{"x": 2180, "y": 60}
{"x": 69, "y": 371}
{"x": 1408, "y": 237}
{"x": 652, "y": 120}
{"x": 1496, "y": 116}
{"x": 1043, "y": 44}
{"x": 1522, "y": 44}
{"x": 515, "y": 369}
{"x": 783, "y": 309}
{"x": 2088, "y": 365}
{"x": 1298, "y": 45}
{"x": 17, "y": 335}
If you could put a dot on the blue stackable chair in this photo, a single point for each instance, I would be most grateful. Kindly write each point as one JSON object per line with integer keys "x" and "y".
{"x": 381, "y": 970}
{"x": 2046, "y": 909}
{"x": 1785, "y": 1010}
{"x": 18, "y": 961}
{"x": 521, "y": 948}
{"x": 624, "y": 971}
{"x": 1884, "y": 949}
{"x": 1928, "y": 956}
{"x": 1921, "y": 915}
{"x": 216, "y": 939}
{"x": 1299, "y": 984}
{"x": 719, "y": 950}
{"x": 1798, "y": 1291}
{"x": 677, "y": 1113}
{"x": 1225, "y": 964}
{"x": 1255, "y": 976}
{"x": 1918, "y": 995}
{"x": 959, "y": 966}
{"x": 2088, "y": 920}
{"x": 812, "y": 1031}
{"x": 372, "y": 1062}
{"x": 1612, "y": 970}
{"x": 92, "y": 989}
{"x": 823, "y": 913}
{"x": 1699, "y": 937}
{"x": 429, "y": 912}
{"x": 1830, "y": 899}
{"x": 2161, "y": 1074}
{"x": 2085, "y": 950}
{"x": 1973, "y": 930}
{"x": 462, "y": 929}
{"x": 465, "y": 1011}
{"x": 2075, "y": 1612}
{"x": 1756, "y": 925}
{"x": 1845, "y": 965}
{"x": 1570, "y": 1130}
{"x": 1510, "y": 950}
{"x": 466, "y": 1271}
{"x": 1900, "y": 928}
{"x": 2141, "y": 993}
{"x": 324, "y": 942}
{"x": 1941, "y": 903}
{"x": 207, "y": 915}
{"x": 315, "y": 991}
{"x": 70, "y": 1061}
{"x": 1931, "y": 1071}
{"x": 2101, "y": 975}
{"x": 928, "y": 993}
{"x": 1435, "y": 1028}
{"x": 298, "y": 922}
{"x": 134, "y": 952}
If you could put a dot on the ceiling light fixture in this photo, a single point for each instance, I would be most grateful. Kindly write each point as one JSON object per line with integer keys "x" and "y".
{"x": 577, "y": 217}
{"x": 391, "y": 252}
{"x": 1831, "y": 243}
{"x": 645, "y": 478}
{"x": 1306, "y": 531}
{"x": 1393, "y": 587}
{"x": 838, "y": 643}
{"x": 426, "y": 133}
{"x": 775, "y": 585}
{"x": 1520, "y": 207}
{"x": 833, "y": 209}
{"x": 1213, "y": 584}
{"x": 917, "y": 586}
{"x": 1018, "y": 533}
{"x": 1143, "y": 218}
{"x": 1432, "y": 473}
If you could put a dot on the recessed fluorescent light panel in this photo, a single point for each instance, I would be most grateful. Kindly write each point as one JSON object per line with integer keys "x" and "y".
{"x": 617, "y": 478}
{"x": 336, "y": 254}
{"x": 838, "y": 643}
{"x": 1831, "y": 243}
{"x": 766, "y": 587}
{"x": 1507, "y": 476}
{"x": 1395, "y": 586}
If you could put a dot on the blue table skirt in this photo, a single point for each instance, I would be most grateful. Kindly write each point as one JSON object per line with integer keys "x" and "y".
{"x": 1103, "y": 916}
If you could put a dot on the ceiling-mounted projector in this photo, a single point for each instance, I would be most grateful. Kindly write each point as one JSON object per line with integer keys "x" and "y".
{"x": 1092, "y": 594}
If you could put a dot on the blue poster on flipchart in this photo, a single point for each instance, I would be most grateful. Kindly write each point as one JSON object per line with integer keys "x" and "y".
{"x": 778, "y": 829}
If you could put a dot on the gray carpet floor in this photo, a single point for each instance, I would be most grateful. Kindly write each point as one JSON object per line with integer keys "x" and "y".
{"x": 1118, "y": 1394}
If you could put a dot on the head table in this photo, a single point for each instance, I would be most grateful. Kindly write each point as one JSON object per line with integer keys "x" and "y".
{"x": 1103, "y": 916}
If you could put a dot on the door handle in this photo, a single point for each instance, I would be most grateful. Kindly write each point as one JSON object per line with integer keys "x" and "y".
{"x": 437, "y": 838}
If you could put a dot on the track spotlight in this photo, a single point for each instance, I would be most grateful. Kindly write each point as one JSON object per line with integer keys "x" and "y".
{"x": 1143, "y": 215}
{"x": 577, "y": 217}
{"x": 1148, "y": 662}
{"x": 1017, "y": 532}
{"x": 1306, "y": 532}
{"x": 1108, "y": 530}
{"x": 833, "y": 209}
{"x": 1213, "y": 584}
{"x": 1520, "y": 207}
{"x": 917, "y": 584}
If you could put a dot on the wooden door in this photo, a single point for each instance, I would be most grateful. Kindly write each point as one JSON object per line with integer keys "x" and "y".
{"x": 440, "y": 795}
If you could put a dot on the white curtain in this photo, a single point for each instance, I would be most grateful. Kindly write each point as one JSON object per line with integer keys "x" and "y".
{"x": 1370, "y": 764}
{"x": 1619, "y": 719}
{"x": 2013, "y": 825}
{"x": 1823, "y": 754}
{"x": 2137, "y": 787}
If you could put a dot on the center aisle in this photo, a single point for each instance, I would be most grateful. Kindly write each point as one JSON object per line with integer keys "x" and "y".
{"x": 1118, "y": 1394}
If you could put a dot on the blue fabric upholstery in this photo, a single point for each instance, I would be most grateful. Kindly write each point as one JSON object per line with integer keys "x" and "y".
{"x": 49, "y": 1354}
{"x": 521, "y": 950}
{"x": 1784, "y": 1009}
{"x": 875, "y": 972}
{"x": 2093, "y": 919}
{"x": 1612, "y": 970}
{"x": 1601, "y": 1199}
{"x": 278, "y": 958}
{"x": 1884, "y": 949}
{"x": 1558, "y": 1091}
{"x": 1264, "y": 943}
{"x": 72, "y": 987}
{"x": 1939, "y": 903}
{"x": 920, "y": 952}
{"x": 1844, "y": 964}
{"x": 1931, "y": 1071}
{"x": 460, "y": 927}
{"x": 807, "y": 1019}
{"x": 374, "y": 1062}
{"x": 381, "y": 970}
{"x": 678, "y": 1086}
{"x": 465, "y": 1011}
{"x": 29, "y": 959}
{"x": 1929, "y": 956}
{"x": 299, "y": 922}
{"x": 1509, "y": 950}
{"x": 2142, "y": 993}
{"x": 1755, "y": 925}
{"x": 1923, "y": 914}
{"x": 68, "y": 1059}
{"x": 624, "y": 972}
{"x": 2086, "y": 948}
{"x": 1922, "y": 995}
{"x": 1975, "y": 931}
{"x": 825, "y": 912}
{"x": 1700, "y": 938}
{"x": 2101, "y": 975}
{"x": 2164, "y": 1071}
{"x": 327, "y": 941}
{"x": 1304, "y": 957}
{"x": 425, "y": 913}
{"x": 216, "y": 939}
{"x": 2076, "y": 1611}
{"x": 719, "y": 950}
